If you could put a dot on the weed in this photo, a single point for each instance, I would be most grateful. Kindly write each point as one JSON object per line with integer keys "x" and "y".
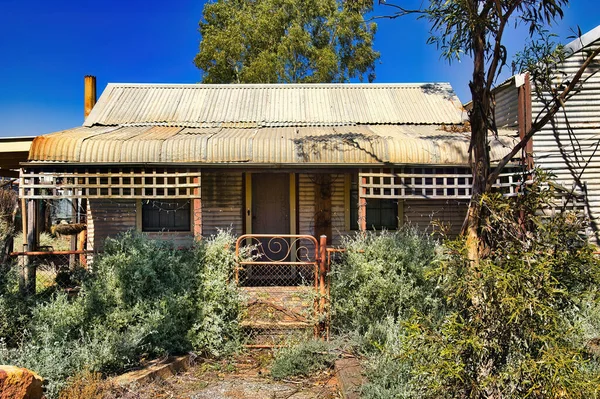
{"x": 302, "y": 359}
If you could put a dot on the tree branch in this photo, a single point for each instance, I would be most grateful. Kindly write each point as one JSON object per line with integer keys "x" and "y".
{"x": 559, "y": 102}
{"x": 498, "y": 43}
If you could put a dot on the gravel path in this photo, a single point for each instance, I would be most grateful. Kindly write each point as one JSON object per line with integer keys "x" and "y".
{"x": 244, "y": 378}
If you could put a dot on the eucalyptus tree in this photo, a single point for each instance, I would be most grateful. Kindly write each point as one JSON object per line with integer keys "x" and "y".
{"x": 285, "y": 41}
{"x": 477, "y": 29}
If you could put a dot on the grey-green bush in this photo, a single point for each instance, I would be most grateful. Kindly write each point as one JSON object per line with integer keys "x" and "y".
{"x": 520, "y": 323}
{"x": 216, "y": 327}
{"x": 144, "y": 299}
{"x": 302, "y": 359}
{"x": 381, "y": 275}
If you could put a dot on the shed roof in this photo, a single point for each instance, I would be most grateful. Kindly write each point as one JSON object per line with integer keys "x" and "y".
{"x": 308, "y": 124}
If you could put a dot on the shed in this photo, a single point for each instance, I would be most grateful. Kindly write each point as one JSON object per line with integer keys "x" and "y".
{"x": 568, "y": 145}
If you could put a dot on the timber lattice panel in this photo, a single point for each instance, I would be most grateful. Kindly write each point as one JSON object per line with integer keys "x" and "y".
{"x": 130, "y": 183}
{"x": 429, "y": 182}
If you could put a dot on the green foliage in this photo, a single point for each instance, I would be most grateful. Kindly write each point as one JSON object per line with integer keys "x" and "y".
{"x": 381, "y": 275}
{"x": 455, "y": 24}
{"x": 516, "y": 324}
{"x": 216, "y": 329}
{"x": 287, "y": 41}
{"x": 15, "y": 309}
{"x": 219, "y": 302}
{"x": 144, "y": 299}
{"x": 303, "y": 359}
{"x": 8, "y": 206}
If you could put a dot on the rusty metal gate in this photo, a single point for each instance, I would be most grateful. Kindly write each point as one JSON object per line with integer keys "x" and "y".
{"x": 283, "y": 279}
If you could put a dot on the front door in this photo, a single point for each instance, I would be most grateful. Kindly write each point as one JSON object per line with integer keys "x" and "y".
{"x": 270, "y": 203}
{"x": 271, "y": 215}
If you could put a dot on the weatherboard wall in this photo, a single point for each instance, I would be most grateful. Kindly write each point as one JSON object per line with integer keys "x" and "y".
{"x": 222, "y": 202}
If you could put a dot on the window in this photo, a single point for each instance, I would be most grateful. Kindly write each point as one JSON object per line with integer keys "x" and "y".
{"x": 166, "y": 215}
{"x": 381, "y": 213}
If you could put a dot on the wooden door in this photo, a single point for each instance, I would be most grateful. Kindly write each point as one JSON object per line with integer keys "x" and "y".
{"x": 270, "y": 203}
{"x": 271, "y": 215}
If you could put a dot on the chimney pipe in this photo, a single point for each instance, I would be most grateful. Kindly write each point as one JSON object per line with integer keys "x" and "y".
{"x": 89, "y": 94}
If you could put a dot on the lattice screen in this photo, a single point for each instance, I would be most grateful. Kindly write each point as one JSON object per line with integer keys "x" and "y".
{"x": 111, "y": 183}
{"x": 421, "y": 182}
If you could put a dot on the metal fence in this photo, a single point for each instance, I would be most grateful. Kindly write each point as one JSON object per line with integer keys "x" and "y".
{"x": 283, "y": 281}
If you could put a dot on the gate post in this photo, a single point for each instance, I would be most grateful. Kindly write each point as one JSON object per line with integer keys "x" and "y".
{"x": 322, "y": 275}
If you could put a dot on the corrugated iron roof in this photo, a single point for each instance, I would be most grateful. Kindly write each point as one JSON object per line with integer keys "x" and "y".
{"x": 340, "y": 145}
{"x": 275, "y": 105}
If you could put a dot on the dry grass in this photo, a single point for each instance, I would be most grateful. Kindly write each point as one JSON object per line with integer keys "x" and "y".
{"x": 86, "y": 385}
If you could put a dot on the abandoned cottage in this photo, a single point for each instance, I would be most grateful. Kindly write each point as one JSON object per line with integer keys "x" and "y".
{"x": 181, "y": 161}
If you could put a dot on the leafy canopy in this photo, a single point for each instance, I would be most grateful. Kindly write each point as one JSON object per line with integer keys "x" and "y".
{"x": 285, "y": 41}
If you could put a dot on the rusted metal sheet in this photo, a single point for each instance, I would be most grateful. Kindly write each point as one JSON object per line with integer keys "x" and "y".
{"x": 341, "y": 145}
{"x": 197, "y": 105}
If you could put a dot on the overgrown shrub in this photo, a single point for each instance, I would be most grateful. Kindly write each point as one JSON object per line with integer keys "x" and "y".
{"x": 144, "y": 299}
{"x": 216, "y": 328}
{"x": 515, "y": 324}
{"x": 302, "y": 359}
{"x": 8, "y": 207}
{"x": 380, "y": 276}
{"x": 15, "y": 309}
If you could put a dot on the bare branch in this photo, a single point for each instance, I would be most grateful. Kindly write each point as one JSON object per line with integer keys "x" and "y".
{"x": 401, "y": 12}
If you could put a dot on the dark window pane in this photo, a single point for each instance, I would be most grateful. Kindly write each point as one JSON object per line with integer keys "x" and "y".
{"x": 381, "y": 213}
{"x": 166, "y": 215}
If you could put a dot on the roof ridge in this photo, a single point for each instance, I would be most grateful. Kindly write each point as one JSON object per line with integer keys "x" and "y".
{"x": 279, "y": 85}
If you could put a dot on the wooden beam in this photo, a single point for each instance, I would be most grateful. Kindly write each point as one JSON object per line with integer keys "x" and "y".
{"x": 248, "y": 211}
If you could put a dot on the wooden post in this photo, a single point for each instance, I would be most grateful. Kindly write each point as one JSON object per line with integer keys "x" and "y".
{"x": 24, "y": 259}
{"x": 197, "y": 208}
{"x": 322, "y": 276}
{"x": 524, "y": 119}
{"x": 74, "y": 219}
{"x": 30, "y": 236}
{"x": 362, "y": 206}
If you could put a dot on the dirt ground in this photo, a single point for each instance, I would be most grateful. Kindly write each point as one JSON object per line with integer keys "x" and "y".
{"x": 245, "y": 377}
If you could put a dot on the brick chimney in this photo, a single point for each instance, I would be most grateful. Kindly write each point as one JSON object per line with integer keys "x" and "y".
{"x": 89, "y": 94}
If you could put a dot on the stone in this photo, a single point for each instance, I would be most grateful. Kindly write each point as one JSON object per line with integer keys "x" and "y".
{"x": 19, "y": 383}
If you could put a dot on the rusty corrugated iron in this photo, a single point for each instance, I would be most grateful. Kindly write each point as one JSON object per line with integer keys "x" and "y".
{"x": 341, "y": 145}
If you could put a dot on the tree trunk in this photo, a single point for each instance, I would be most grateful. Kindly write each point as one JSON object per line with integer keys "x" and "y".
{"x": 478, "y": 154}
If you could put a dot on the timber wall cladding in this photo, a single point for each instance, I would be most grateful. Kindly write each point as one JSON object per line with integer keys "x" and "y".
{"x": 108, "y": 218}
{"x": 422, "y": 213}
{"x": 307, "y": 184}
{"x": 222, "y": 202}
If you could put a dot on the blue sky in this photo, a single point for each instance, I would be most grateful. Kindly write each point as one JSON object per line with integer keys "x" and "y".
{"x": 47, "y": 47}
